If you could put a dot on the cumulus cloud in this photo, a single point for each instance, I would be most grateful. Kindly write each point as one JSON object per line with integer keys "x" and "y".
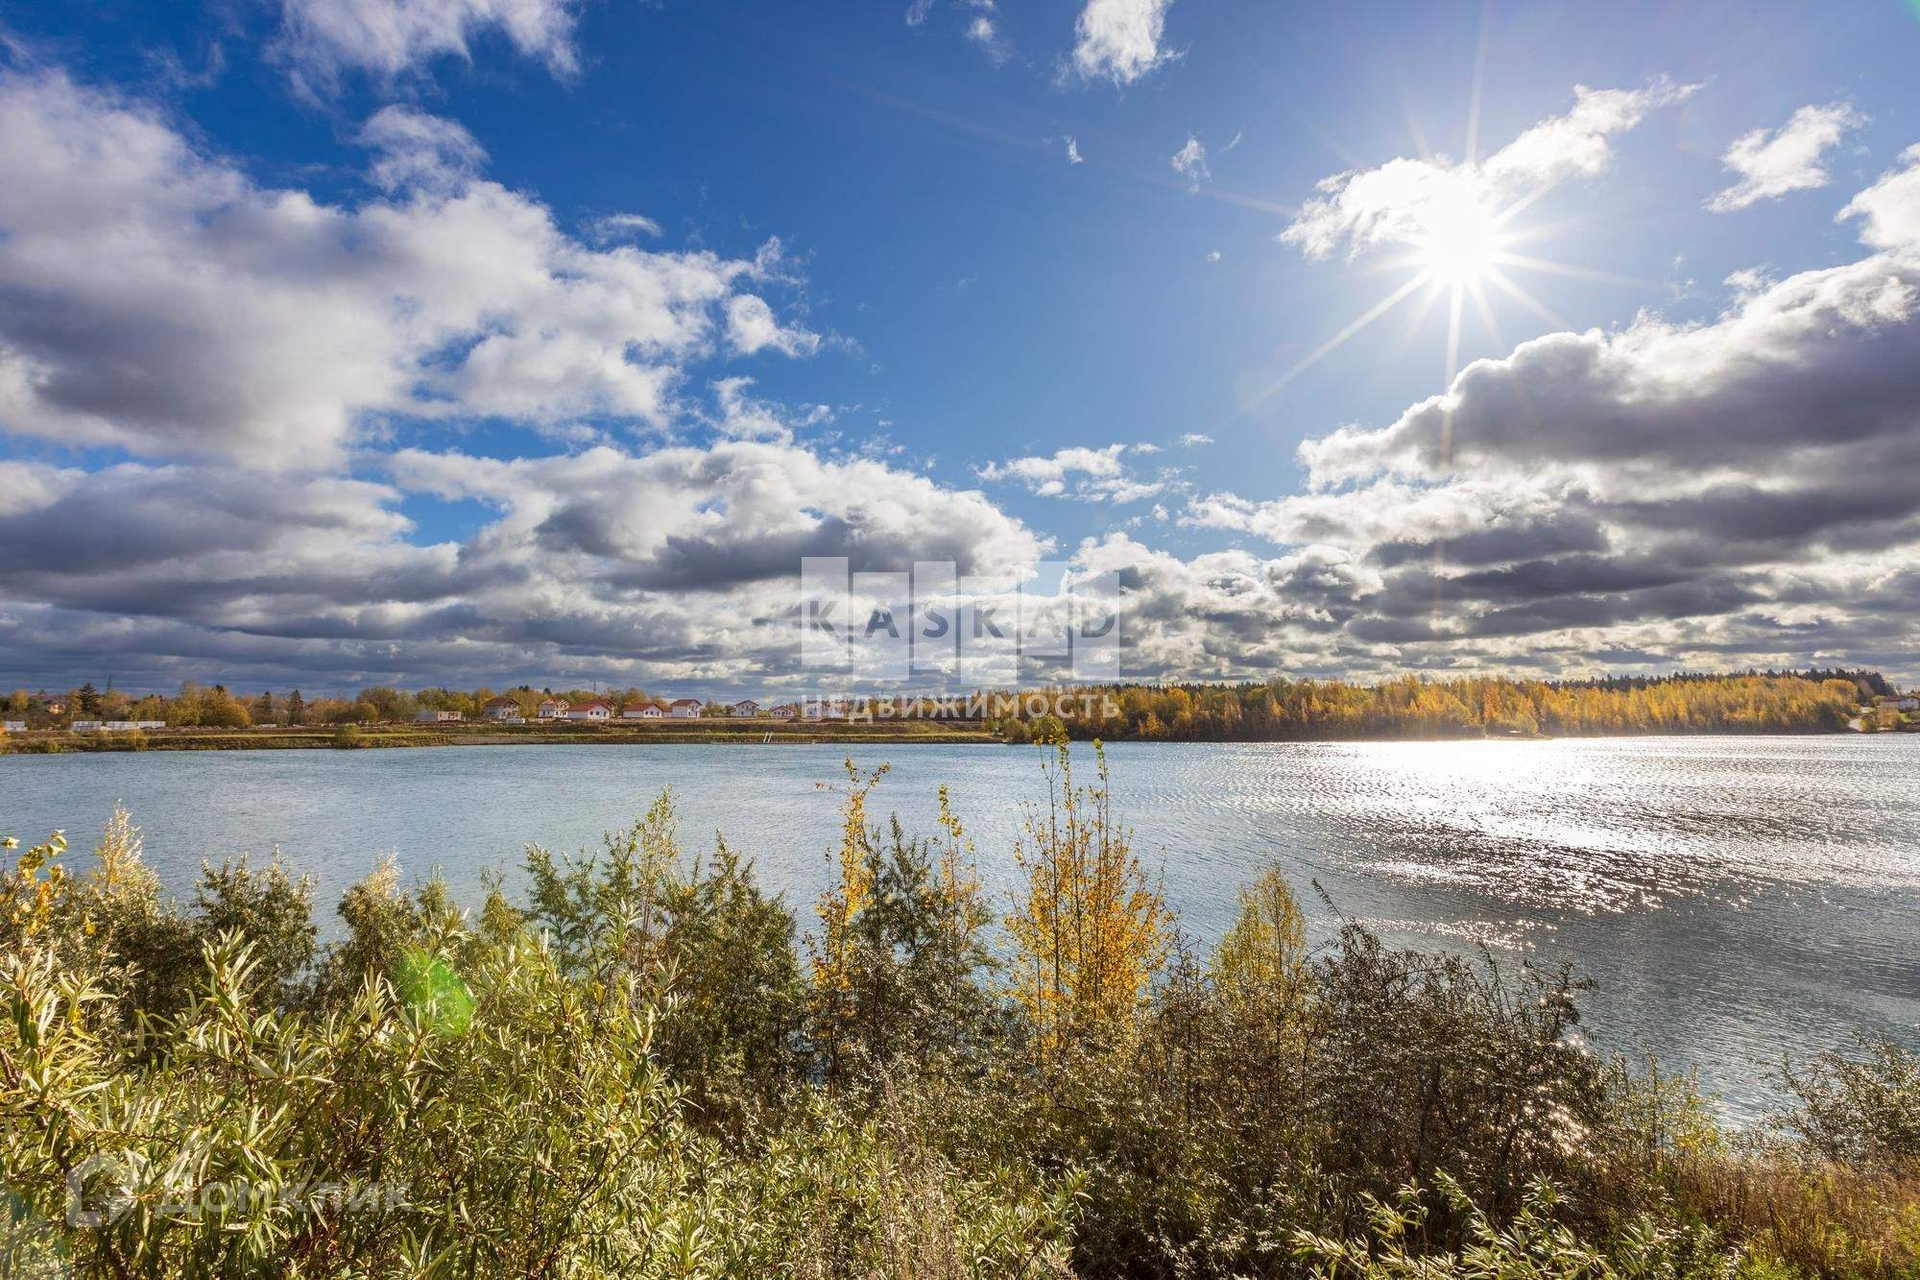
{"x": 388, "y": 38}
{"x": 1403, "y": 200}
{"x": 1120, "y": 40}
{"x": 1889, "y": 210}
{"x": 1772, "y": 163}
{"x": 1073, "y": 151}
{"x": 1190, "y": 162}
{"x": 1093, "y": 475}
{"x": 751, "y": 327}
{"x": 159, "y": 300}
{"x": 677, "y": 563}
{"x": 1728, "y": 492}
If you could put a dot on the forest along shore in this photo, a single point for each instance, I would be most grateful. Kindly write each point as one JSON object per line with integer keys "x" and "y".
{"x": 1403, "y": 708}
{"x": 481, "y": 734}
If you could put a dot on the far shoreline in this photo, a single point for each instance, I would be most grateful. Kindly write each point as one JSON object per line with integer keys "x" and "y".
{"x": 716, "y": 733}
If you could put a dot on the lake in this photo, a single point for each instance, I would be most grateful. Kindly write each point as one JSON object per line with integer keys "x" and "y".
{"x": 1733, "y": 899}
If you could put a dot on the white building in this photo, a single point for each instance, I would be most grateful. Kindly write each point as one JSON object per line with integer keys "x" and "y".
{"x": 552, "y": 709}
{"x": 594, "y": 710}
{"x": 643, "y": 711}
{"x": 14, "y": 726}
{"x": 427, "y": 715}
{"x": 746, "y": 707}
{"x": 781, "y": 713}
{"x": 684, "y": 708}
{"x": 499, "y": 709}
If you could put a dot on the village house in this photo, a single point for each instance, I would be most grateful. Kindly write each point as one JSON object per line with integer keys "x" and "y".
{"x": 1900, "y": 702}
{"x": 684, "y": 708}
{"x": 591, "y": 710}
{"x": 746, "y": 707}
{"x": 499, "y": 709}
{"x": 14, "y": 726}
{"x": 782, "y": 713}
{"x": 643, "y": 711}
{"x": 552, "y": 709}
{"x": 427, "y": 715}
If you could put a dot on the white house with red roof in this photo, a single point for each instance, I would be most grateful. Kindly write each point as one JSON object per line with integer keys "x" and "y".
{"x": 684, "y": 709}
{"x": 500, "y": 709}
{"x": 593, "y": 709}
{"x": 643, "y": 711}
{"x": 552, "y": 709}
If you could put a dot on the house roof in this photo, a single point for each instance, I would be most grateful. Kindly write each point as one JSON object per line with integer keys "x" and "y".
{"x": 684, "y": 702}
{"x": 501, "y": 702}
{"x": 589, "y": 705}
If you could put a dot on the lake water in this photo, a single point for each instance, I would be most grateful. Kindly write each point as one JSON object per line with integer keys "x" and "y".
{"x": 1733, "y": 899}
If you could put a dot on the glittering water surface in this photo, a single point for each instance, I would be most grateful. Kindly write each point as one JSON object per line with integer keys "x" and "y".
{"x": 1733, "y": 899}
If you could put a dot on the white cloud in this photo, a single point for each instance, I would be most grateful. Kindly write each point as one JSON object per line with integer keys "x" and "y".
{"x": 1073, "y": 151}
{"x": 390, "y": 37}
{"x": 415, "y": 150}
{"x": 1890, "y": 208}
{"x": 1193, "y": 439}
{"x": 1549, "y": 503}
{"x": 1213, "y": 255}
{"x": 1400, "y": 201}
{"x": 161, "y": 301}
{"x": 1120, "y": 40}
{"x": 751, "y": 327}
{"x": 1190, "y": 162}
{"x": 620, "y": 226}
{"x": 1773, "y": 163}
{"x": 981, "y": 30}
{"x": 676, "y": 564}
{"x": 1089, "y": 475}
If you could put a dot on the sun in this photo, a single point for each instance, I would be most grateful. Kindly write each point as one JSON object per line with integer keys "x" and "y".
{"x": 1459, "y": 244}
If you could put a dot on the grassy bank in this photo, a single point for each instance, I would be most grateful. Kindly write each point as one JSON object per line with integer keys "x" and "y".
{"x": 645, "y": 1066}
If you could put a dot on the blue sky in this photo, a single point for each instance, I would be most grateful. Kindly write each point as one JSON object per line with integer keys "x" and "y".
{"x": 948, "y": 293}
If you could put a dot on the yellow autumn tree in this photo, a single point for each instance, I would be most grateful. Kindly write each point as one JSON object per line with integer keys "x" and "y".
{"x": 1090, "y": 931}
{"x": 849, "y": 889}
{"x": 1262, "y": 959}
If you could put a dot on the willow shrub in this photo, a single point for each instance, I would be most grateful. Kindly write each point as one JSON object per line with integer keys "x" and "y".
{"x": 503, "y": 1109}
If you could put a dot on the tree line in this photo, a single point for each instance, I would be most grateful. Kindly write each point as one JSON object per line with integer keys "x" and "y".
{"x": 642, "y": 1064}
{"x": 1411, "y": 707}
{"x": 216, "y": 706}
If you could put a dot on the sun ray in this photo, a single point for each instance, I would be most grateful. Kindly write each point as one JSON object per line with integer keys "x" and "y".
{"x": 1320, "y": 352}
{"x": 1509, "y": 259}
{"x": 1422, "y": 309}
{"x": 1453, "y": 370}
{"x": 1479, "y": 82}
{"x": 1480, "y": 303}
{"x": 1512, "y": 290}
